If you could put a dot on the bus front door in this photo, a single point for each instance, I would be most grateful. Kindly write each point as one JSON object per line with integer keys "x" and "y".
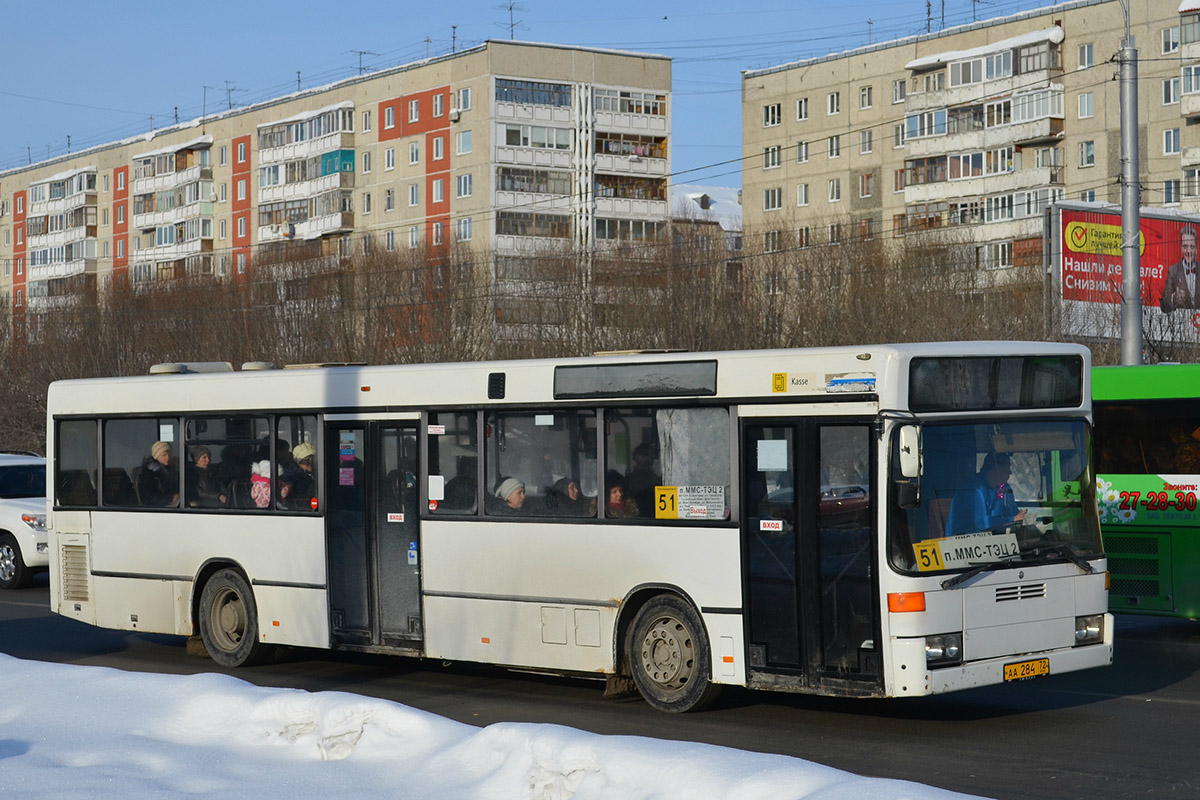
{"x": 372, "y": 535}
{"x": 807, "y": 523}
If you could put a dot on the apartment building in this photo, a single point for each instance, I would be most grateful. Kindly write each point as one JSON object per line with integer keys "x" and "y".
{"x": 975, "y": 130}
{"x": 507, "y": 148}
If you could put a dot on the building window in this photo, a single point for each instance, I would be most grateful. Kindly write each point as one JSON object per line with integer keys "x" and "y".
{"x": 897, "y": 136}
{"x": 1087, "y": 154}
{"x": 771, "y": 242}
{"x": 1170, "y": 39}
{"x": 1086, "y": 104}
{"x": 866, "y": 184}
{"x": 835, "y": 189}
{"x": 241, "y": 227}
{"x": 463, "y": 139}
{"x": 241, "y": 154}
{"x": 833, "y": 103}
{"x": 803, "y": 238}
{"x": 389, "y": 158}
{"x": 366, "y": 126}
{"x": 463, "y": 99}
{"x": 414, "y": 152}
{"x": 835, "y": 232}
{"x": 1170, "y": 192}
{"x": 224, "y": 227}
{"x": 439, "y": 148}
{"x": 366, "y": 162}
{"x": 801, "y": 152}
{"x": 1191, "y": 182}
{"x": 865, "y": 96}
{"x": 389, "y": 200}
{"x": 414, "y": 237}
{"x": 414, "y": 194}
{"x": 865, "y": 144}
{"x": 366, "y": 202}
{"x": 438, "y": 235}
{"x": 802, "y": 194}
{"x": 414, "y": 110}
{"x": 223, "y": 155}
{"x": 995, "y": 255}
{"x": 1171, "y": 142}
{"x": 1170, "y": 92}
{"x": 439, "y": 101}
{"x": 120, "y": 219}
{"x": 438, "y": 192}
{"x": 802, "y": 109}
{"x": 464, "y": 229}
{"x": 899, "y": 90}
{"x": 465, "y": 185}
{"x": 241, "y": 263}
{"x": 1085, "y": 56}
{"x": 241, "y": 189}
{"x": 772, "y": 115}
{"x": 898, "y": 181}
{"x": 120, "y": 187}
{"x": 389, "y": 241}
{"x": 835, "y": 146}
{"x": 772, "y": 157}
{"x": 772, "y": 199}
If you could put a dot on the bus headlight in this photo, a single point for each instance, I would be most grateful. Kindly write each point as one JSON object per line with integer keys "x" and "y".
{"x": 1089, "y": 630}
{"x": 35, "y": 521}
{"x": 943, "y": 650}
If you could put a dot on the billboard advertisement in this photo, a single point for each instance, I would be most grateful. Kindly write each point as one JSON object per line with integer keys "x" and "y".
{"x": 1089, "y": 283}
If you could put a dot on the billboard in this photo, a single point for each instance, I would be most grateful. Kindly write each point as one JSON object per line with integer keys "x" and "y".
{"x": 1088, "y": 284}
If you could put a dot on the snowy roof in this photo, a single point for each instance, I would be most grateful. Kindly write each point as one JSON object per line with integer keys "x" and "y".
{"x": 1189, "y": 5}
{"x": 1051, "y": 34}
{"x": 206, "y": 140}
{"x": 62, "y": 176}
{"x": 303, "y": 115}
{"x": 724, "y": 204}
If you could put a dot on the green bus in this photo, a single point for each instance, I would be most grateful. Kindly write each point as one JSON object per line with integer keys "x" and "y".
{"x": 1147, "y": 455}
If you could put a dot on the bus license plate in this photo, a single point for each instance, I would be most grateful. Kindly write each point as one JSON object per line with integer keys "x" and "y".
{"x": 1027, "y": 669}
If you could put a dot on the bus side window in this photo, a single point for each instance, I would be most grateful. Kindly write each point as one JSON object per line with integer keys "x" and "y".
{"x": 453, "y": 457}
{"x": 541, "y": 463}
{"x": 129, "y": 447}
{"x": 75, "y": 467}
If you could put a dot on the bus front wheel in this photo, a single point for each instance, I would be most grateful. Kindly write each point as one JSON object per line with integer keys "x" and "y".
{"x": 670, "y": 657}
{"x": 229, "y": 621}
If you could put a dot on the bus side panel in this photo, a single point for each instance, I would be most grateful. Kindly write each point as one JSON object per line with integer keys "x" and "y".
{"x": 564, "y": 636}
{"x": 293, "y": 616}
{"x": 526, "y": 569}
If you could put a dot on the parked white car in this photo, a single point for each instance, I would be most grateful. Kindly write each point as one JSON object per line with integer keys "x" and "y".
{"x": 24, "y": 549}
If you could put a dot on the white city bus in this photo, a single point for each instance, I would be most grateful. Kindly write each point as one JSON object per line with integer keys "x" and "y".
{"x": 780, "y": 520}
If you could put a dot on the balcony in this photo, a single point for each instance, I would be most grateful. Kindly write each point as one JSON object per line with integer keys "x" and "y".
{"x": 298, "y": 190}
{"x": 1022, "y": 134}
{"x": 311, "y": 228}
{"x": 632, "y": 123}
{"x": 632, "y": 208}
{"x": 534, "y": 156}
{"x": 999, "y": 183}
{"x": 1189, "y": 105}
{"x": 981, "y": 92}
{"x": 63, "y": 269}
{"x": 529, "y": 201}
{"x": 632, "y": 165}
{"x": 342, "y": 140}
{"x": 520, "y": 112}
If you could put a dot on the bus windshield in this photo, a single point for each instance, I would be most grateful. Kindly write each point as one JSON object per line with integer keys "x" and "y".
{"x": 996, "y": 494}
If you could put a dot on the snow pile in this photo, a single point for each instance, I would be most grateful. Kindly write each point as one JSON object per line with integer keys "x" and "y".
{"x": 90, "y": 732}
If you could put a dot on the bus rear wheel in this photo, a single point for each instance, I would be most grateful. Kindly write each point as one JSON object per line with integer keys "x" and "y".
{"x": 229, "y": 621}
{"x": 670, "y": 657}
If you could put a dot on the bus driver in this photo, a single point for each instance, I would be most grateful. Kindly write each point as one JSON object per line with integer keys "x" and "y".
{"x": 987, "y": 501}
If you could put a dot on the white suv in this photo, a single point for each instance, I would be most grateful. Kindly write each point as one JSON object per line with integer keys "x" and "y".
{"x": 23, "y": 546}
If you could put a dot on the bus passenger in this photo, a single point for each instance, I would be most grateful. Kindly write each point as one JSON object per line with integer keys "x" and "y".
{"x": 158, "y": 480}
{"x": 987, "y": 502}
{"x": 641, "y": 480}
{"x": 620, "y": 505}
{"x": 568, "y": 499}
{"x": 203, "y": 488}
{"x": 297, "y": 484}
{"x": 512, "y": 492}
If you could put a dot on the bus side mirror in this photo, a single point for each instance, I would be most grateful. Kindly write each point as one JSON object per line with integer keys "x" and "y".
{"x": 910, "y": 451}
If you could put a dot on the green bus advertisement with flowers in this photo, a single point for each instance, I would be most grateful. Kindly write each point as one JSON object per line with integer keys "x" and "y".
{"x": 1146, "y": 445}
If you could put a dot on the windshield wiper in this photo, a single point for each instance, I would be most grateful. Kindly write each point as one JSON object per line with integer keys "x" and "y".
{"x": 962, "y": 577}
{"x": 1067, "y": 551}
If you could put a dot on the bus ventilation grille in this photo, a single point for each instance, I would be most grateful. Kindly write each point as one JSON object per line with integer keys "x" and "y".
{"x": 1131, "y": 545}
{"x": 74, "y": 573}
{"x": 1023, "y": 592}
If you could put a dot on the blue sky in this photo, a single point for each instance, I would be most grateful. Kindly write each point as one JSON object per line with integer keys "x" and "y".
{"x": 96, "y": 72}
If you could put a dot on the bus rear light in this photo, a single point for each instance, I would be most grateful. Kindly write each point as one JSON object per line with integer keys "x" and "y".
{"x": 1089, "y": 629}
{"x": 901, "y": 602}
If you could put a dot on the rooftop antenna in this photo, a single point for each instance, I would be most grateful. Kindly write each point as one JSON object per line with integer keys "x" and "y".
{"x": 297, "y": 80}
{"x": 204, "y": 108}
{"x": 29, "y": 153}
{"x": 68, "y": 143}
{"x": 928, "y": 16}
{"x": 362, "y": 53}
{"x": 453, "y": 38}
{"x": 176, "y": 115}
{"x": 229, "y": 90}
{"x": 427, "y": 41}
{"x": 868, "y": 30}
{"x": 513, "y": 24}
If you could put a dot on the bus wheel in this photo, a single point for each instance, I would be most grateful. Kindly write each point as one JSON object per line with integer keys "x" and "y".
{"x": 13, "y": 572}
{"x": 229, "y": 621}
{"x": 670, "y": 656}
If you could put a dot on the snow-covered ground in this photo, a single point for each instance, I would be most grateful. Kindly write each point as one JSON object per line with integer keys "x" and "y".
{"x": 92, "y": 732}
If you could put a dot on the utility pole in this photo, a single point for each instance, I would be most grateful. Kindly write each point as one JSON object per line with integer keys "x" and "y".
{"x": 1131, "y": 223}
{"x": 868, "y": 30}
